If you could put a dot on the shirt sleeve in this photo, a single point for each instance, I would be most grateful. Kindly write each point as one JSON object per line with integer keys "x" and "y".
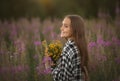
{"x": 62, "y": 71}
{"x": 56, "y": 72}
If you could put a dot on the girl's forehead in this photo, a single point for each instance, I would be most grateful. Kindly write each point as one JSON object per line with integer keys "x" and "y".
{"x": 66, "y": 21}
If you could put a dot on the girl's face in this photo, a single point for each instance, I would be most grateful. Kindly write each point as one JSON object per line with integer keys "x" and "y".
{"x": 66, "y": 31}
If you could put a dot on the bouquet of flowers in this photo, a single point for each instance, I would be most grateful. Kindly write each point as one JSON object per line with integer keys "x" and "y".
{"x": 53, "y": 49}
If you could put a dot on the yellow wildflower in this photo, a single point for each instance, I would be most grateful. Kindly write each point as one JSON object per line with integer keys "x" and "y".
{"x": 53, "y": 49}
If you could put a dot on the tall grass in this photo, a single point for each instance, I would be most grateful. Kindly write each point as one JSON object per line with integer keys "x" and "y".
{"x": 21, "y": 51}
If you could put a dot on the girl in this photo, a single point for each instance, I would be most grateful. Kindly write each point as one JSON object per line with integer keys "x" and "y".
{"x": 73, "y": 63}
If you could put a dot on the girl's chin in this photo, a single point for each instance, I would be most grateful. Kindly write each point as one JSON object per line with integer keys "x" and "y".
{"x": 62, "y": 36}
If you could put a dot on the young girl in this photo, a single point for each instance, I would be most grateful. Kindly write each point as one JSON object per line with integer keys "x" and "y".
{"x": 73, "y": 63}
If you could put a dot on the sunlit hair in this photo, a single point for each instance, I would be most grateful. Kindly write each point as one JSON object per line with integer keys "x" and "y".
{"x": 78, "y": 31}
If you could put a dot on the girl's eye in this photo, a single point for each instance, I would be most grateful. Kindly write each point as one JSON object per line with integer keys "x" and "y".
{"x": 66, "y": 26}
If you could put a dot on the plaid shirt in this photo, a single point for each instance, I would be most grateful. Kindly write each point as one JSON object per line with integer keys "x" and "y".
{"x": 68, "y": 67}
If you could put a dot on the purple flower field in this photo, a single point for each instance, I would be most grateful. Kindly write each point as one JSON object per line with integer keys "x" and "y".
{"x": 21, "y": 52}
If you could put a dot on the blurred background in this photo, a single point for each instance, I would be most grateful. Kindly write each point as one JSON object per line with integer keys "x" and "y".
{"x": 57, "y": 8}
{"x": 25, "y": 24}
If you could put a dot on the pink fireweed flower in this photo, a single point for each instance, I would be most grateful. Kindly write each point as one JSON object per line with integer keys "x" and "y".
{"x": 92, "y": 44}
{"x": 50, "y": 28}
{"x": 42, "y": 70}
{"x": 20, "y": 45}
{"x": 20, "y": 68}
{"x": 46, "y": 59}
{"x": 47, "y": 30}
{"x": 53, "y": 35}
{"x": 13, "y": 31}
{"x": 39, "y": 69}
{"x": 116, "y": 41}
{"x": 107, "y": 43}
{"x": 100, "y": 41}
{"x": 4, "y": 70}
{"x": 47, "y": 71}
{"x": 101, "y": 58}
{"x": 36, "y": 43}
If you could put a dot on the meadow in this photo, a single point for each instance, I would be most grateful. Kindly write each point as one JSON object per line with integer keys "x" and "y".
{"x": 21, "y": 50}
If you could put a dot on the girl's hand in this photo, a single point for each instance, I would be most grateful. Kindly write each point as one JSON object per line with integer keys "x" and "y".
{"x": 47, "y": 61}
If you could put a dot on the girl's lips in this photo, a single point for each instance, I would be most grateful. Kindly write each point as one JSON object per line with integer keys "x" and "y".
{"x": 62, "y": 32}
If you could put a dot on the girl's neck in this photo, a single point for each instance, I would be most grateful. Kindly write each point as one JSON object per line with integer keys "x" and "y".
{"x": 70, "y": 38}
